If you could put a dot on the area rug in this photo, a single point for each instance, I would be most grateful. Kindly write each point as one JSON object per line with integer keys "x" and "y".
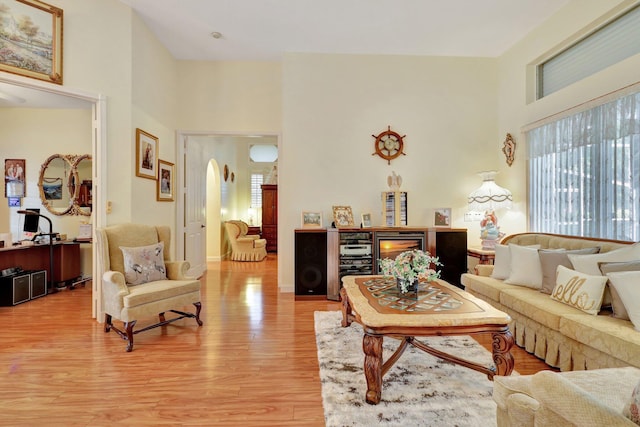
{"x": 419, "y": 390}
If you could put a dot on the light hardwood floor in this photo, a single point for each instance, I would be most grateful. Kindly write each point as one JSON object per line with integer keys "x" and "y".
{"x": 253, "y": 363}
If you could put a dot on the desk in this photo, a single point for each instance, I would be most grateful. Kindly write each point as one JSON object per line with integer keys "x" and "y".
{"x": 66, "y": 259}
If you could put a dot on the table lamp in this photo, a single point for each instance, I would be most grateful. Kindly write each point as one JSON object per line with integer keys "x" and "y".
{"x": 488, "y": 198}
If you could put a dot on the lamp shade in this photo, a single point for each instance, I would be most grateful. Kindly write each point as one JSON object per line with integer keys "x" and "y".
{"x": 490, "y": 195}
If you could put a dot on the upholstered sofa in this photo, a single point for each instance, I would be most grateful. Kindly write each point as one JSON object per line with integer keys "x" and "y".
{"x": 580, "y": 398}
{"x": 563, "y": 336}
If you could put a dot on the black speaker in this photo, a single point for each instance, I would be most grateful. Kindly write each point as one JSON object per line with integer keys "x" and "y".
{"x": 311, "y": 263}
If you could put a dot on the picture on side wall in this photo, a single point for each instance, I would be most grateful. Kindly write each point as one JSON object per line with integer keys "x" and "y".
{"x": 165, "y": 192}
{"x": 31, "y": 43}
{"x": 442, "y": 218}
{"x": 14, "y": 177}
{"x": 146, "y": 155}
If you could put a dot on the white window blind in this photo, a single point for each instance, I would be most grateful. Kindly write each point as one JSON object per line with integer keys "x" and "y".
{"x": 609, "y": 45}
{"x": 584, "y": 172}
{"x": 256, "y": 190}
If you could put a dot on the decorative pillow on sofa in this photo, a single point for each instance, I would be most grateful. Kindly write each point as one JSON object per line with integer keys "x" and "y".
{"x": 525, "y": 267}
{"x": 632, "y": 409}
{"x": 579, "y": 290}
{"x": 502, "y": 261}
{"x": 144, "y": 264}
{"x": 626, "y": 284}
{"x": 550, "y": 259}
{"x": 616, "y": 302}
{"x": 588, "y": 264}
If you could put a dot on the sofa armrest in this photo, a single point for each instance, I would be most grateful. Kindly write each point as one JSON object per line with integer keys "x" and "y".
{"x": 484, "y": 270}
{"x": 563, "y": 398}
{"x": 177, "y": 270}
{"x": 521, "y": 410}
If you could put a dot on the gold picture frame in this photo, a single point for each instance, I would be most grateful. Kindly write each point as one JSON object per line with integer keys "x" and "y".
{"x": 165, "y": 186}
{"x": 33, "y": 47}
{"x": 343, "y": 217}
{"x": 146, "y": 155}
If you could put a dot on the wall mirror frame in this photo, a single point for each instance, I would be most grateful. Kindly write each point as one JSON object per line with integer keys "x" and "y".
{"x": 65, "y": 184}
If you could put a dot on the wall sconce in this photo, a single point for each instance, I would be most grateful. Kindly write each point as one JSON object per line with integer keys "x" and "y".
{"x": 489, "y": 197}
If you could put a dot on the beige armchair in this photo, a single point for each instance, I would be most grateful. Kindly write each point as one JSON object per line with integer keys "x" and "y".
{"x": 139, "y": 281}
{"x": 245, "y": 247}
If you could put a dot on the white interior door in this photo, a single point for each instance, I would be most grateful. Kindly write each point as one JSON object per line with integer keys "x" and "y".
{"x": 195, "y": 173}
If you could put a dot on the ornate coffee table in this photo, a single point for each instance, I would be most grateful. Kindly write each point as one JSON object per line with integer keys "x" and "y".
{"x": 438, "y": 308}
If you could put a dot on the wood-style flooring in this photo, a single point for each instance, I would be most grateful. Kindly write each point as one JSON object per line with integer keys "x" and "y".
{"x": 253, "y": 363}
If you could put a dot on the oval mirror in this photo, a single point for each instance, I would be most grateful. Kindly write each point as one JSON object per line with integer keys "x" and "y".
{"x": 54, "y": 184}
{"x": 82, "y": 185}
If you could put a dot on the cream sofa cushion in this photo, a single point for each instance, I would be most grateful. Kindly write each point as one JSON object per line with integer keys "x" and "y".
{"x": 617, "y": 305}
{"x": 626, "y": 283}
{"x": 588, "y": 264}
{"x": 525, "y": 267}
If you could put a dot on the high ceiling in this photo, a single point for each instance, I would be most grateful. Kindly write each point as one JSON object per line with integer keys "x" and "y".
{"x": 259, "y": 30}
{"x": 265, "y": 29}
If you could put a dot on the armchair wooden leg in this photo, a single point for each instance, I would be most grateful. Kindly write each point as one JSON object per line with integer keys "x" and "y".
{"x": 107, "y": 322}
{"x": 129, "y": 330}
{"x": 161, "y": 317}
{"x": 198, "y": 308}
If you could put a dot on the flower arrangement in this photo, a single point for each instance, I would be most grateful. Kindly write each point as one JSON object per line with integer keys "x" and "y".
{"x": 410, "y": 266}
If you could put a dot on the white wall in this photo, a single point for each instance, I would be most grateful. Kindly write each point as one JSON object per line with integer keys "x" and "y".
{"x": 332, "y": 104}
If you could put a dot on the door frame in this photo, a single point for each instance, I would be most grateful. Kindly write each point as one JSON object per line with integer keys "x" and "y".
{"x": 181, "y": 138}
{"x": 99, "y": 164}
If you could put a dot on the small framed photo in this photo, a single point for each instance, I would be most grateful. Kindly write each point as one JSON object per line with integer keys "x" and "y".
{"x": 165, "y": 187}
{"x": 146, "y": 155}
{"x": 31, "y": 43}
{"x": 14, "y": 177}
{"x": 311, "y": 219}
{"x": 366, "y": 220}
{"x": 343, "y": 216}
{"x": 442, "y": 218}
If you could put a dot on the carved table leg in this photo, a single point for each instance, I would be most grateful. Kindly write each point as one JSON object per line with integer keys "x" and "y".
{"x": 372, "y": 346}
{"x": 502, "y": 343}
{"x": 346, "y": 308}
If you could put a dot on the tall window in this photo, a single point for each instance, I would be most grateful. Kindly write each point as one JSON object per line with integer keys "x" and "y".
{"x": 584, "y": 172}
{"x": 256, "y": 190}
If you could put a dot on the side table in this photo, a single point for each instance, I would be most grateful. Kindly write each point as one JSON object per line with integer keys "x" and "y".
{"x": 486, "y": 256}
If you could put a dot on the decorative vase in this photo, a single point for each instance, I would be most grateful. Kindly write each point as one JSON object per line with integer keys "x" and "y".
{"x": 410, "y": 287}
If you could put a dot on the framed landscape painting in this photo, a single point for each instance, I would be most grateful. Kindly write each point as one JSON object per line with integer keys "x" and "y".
{"x": 311, "y": 219}
{"x": 31, "y": 42}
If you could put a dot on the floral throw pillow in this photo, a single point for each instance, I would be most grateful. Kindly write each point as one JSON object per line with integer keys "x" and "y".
{"x": 144, "y": 264}
{"x": 632, "y": 410}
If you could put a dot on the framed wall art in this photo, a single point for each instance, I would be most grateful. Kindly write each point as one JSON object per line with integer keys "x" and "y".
{"x": 31, "y": 45}
{"x": 311, "y": 219}
{"x": 442, "y": 218}
{"x": 343, "y": 216}
{"x": 146, "y": 155}
{"x": 14, "y": 177}
{"x": 165, "y": 186}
